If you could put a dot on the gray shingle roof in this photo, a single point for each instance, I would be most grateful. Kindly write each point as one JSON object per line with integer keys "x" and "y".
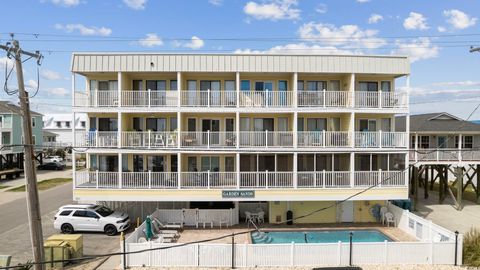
{"x": 436, "y": 122}
{"x": 7, "y": 107}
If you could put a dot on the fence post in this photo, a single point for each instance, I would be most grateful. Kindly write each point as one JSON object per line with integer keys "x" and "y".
{"x": 150, "y": 252}
{"x": 233, "y": 251}
{"x": 245, "y": 259}
{"x": 339, "y": 253}
{"x": 124, "y": 251}
{"x": 385, "y": 247}
{"x": 431, "y": 251}
{"x": 149, "y": 179}
{"x": 456, "y": 247}
{"x": 351, "y": 250}
{"x": 292, "y": 253}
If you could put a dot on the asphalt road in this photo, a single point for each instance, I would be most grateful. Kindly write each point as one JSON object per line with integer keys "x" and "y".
{"x": 14, "y": 212}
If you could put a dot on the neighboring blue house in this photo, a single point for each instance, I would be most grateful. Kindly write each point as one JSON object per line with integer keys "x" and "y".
{"x": 11, "y": 158}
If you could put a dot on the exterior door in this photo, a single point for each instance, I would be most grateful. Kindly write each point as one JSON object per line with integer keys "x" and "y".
{"x": 192, "y": 93}
{"x": 212, "y": 125}
{"x": 347, "y": 211}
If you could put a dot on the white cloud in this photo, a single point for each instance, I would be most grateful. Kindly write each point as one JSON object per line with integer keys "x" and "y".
{"x": 457, "y": 84}
{"x": 50, "y": 75}
{"x": 298, "y": 48}
{"x": 58, "y": 91}
{"x": 31, "y": 84}
{"x": 415, "y": 21}
{"x": 321, "y": 8}
{"x": 273, "y": 10}
{"x": 375, "y": 18}
{"x": 345, "y": 35}
{"x": 4, "y": 62}
{"x": 216, "y": 2}
{"x": 418, "y": 49}
{"x": 151, "y": 40}
{"x": 363, "y": 1}
{"x": 441, "y": 29}
{"x": 458, "y": 19}
{"x": 195, "y": 43}
{"x": 84, "y": 30}
{"x": 66, "y": 3}
{"x": 135, "y": 4}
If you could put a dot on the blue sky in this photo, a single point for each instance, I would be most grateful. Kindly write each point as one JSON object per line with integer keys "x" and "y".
{"x": 436, "y": 34}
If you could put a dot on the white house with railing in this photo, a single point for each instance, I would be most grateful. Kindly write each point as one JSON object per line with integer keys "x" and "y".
{"x": 227, "y": 131}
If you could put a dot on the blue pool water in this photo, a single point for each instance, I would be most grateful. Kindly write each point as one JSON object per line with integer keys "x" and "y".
{"x": 330, "y": 236}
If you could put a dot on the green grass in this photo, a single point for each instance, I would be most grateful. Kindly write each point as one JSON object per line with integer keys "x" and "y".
{"x": 45, "y": 184}
{"x": 468, "y": 195}
{"x": 471, "y": 248}
{"x": 3, "y": 187}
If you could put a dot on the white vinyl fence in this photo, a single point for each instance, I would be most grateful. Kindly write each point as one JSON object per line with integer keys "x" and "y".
{"x": 435, "y": 245}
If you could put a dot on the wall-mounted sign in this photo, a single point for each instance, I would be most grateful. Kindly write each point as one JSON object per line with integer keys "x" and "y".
{"x": 238, "y": 193}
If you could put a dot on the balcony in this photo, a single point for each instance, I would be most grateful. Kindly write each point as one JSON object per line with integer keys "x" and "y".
{"x": 324, "y": 139}
{"x": 149, "y": 139}
{"x": 444, "y": 155}
{"x": 385, "y": 100}
{"x": 266, "y": 139}
{"x": 208, "y": 139}
{"x": 209, "y": 99}
{"x": 96, "y": 139}
{"x": 380, "y": 139}
{"x": 266, "y": 99}
{"x": 246, "y": 180}
{"x": 339, "y": 99}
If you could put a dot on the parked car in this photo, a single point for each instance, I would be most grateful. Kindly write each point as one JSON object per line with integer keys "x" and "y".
{"x": 53, "y": 159}
{"x": 90, "y": 217}
{"x": 57, "y": 166}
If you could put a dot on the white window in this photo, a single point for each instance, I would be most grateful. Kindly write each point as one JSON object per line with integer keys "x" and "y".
{"x": 34, "y": 141}
{"x": 386, "y": 86}
{"x": 67, "y": 124}
{"x": 33, "y": 122}
{"x": 58, "y": 124}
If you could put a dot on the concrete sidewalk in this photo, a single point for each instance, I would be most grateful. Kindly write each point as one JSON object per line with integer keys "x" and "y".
{"x": 446, "y": 215}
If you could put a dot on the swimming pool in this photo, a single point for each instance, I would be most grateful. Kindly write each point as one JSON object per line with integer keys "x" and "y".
{"x": 328, "y": 236}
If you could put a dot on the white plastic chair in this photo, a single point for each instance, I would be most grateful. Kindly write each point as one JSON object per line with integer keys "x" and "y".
{"x": 248, "y": 217}
{"x": 261, "y": 217}
{"x": 383, "y": 210}
{"x": 389, "y": 218}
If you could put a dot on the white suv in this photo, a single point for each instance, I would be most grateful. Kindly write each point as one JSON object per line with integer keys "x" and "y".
{"x": 90, "y": 217}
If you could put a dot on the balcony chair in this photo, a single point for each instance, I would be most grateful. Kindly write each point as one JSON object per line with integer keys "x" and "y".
{"x": 383, "y": 211}
{"x": 248, "y": 217}
{"x": 261, "y": 217}
{"x": 158, "y": 140}
{"x": 390, "y": 218}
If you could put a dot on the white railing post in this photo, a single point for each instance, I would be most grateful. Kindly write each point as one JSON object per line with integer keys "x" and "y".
{"x": 208, "y": 179}
{"x": 149, "y": 138}
{"x": 149, "y": 98}
{"x": 324, "y": 98}
{"x": 352, "y": 178}
{"x": 323, "y": 138}
{"x": 266, "y": 138}
{"x": 324, "y": 174}
{"x": 96, "y": 176}
{"x": 380, "y": 138}
{"x": 208, "y": 98}
{"x": 208, "y": 138}
{"x": 380, "y": 98}
{"x": 96, "y": 138}
{"x": 149, "y": 179}
{"x": 380, "y": 178}
{"x": 266, "y": 179}
{"x": 352, "y": 100}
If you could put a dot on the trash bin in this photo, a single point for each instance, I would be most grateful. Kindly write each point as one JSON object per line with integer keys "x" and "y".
{"x": 75, "y": 241}
{"x": 56, "y": 250}
{"x": 289, "y": 217}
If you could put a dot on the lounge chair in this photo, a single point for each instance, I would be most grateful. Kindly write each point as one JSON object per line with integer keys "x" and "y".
{"x": 158, "y": 230}
{"x": 168, "y": 226}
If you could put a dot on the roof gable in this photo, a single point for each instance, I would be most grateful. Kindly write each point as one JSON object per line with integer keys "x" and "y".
{"x": 445, "y": 116}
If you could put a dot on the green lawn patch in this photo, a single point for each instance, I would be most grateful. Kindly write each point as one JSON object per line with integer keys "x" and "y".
{"x": 45, "y": 184}
{"x": 3, "y": 187}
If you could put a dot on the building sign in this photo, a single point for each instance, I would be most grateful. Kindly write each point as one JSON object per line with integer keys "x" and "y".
{"x": 238, "y": 194}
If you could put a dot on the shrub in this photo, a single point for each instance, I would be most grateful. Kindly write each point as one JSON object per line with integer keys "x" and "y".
{"x": 471, "y": 248}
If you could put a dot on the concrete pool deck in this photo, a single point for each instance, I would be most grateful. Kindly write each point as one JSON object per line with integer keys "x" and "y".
{"x": 193, "y": 234}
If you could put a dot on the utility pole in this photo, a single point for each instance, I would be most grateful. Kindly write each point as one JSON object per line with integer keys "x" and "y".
{"x": 33, "y": 205}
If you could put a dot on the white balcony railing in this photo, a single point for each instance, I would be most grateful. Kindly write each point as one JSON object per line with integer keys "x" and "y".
{"x": 246, "y": 180}
{"x": 266, "y": 99}
{"x": 323, "y": 139}
{"x": 149, "y": 98}
{"x": 209, "y": 98}
{"x": 96, "y": 139}
{"x": 380, "y": 139}
{"x": 149, "y": 139}
{"x": 209, "y": 139}
{"x": 379, "y": 99}
{"x": 324, "y": 99}
{"x": 94, "y": 99}
{"x": 266, "y": 139}
{"x": 444, "y": 154}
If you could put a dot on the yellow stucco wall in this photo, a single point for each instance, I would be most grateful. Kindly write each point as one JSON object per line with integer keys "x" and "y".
{"x": 362, "y": 210}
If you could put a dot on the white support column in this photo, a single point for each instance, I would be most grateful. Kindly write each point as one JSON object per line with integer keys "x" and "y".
{"x": 119, "y": 130}
{"x": 295, "y": 170}
{"x": 237, "y": 87}
{"x": 73, "y": 90}
{"x": 74, "y": 168}
{"x": 352, "y": 89}
{"x": 407, "y": 127}
{"x": 179, "y": 128}
{"x": 295, "y": 129}
{"x": 120, "y": 170}
{"x": 352, "y": 169}
{"x": 179, "y": 89}
{"x": 295, "y": 89}
{"x": 351, "y": 130}
{"x": 237, "y": 167}
{"x": 120, "y": 87}
{"x": 237, "y": 129}
{"x": 460, "y": 142}
{"x": 179, "y": 170}
{"x": 416, "y": 148}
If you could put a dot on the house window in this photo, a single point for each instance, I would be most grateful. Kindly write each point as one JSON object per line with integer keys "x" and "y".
{"x": 173, "y": 85}
{"x": 386, "y": 86}
{"x": 245, "y": 85}
{"x": 67, "y": 124}
{"x": 424, "y": 142}
{"x": 34, "y": 141}
{"x": 368, "y": 86}
{"x": 467, "y": 141}
{"x": 83, "y": 124}
{"x": 412, "y": 145}
{"x": 33, "y": 122}
{"x": 58, "y": 124}
{"x": 229, "y": 164}
{"x": 300, "y": 86}
{"x": 316, "y": 85}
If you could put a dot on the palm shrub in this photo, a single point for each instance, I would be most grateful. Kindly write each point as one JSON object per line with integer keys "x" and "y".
{"x": 471, "y": 248}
